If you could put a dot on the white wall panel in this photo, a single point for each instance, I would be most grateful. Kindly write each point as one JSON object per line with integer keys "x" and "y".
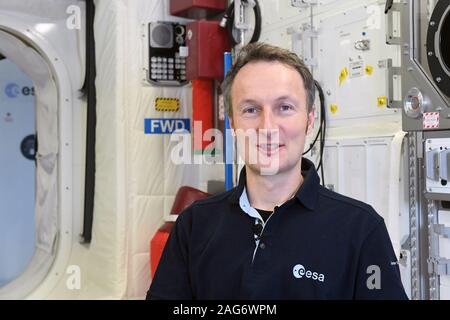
{"x": 378, "y": 153}
{"x": 356, "y": 94}
{"x": 359, "y": 168}
{"x": 353, "y": 165}
{"x": 274, "y": 12}
{"x": 139, "y": 279}
{"x": 147, "y": 171}
{"x": 146, "y": 217}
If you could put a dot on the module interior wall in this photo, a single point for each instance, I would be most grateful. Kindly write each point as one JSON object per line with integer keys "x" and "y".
{"x": 106, "y": 259}
{"x": 153, "y": 178}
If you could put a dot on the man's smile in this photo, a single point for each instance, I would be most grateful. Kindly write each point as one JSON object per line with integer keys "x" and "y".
{"x": 270, "y": 148}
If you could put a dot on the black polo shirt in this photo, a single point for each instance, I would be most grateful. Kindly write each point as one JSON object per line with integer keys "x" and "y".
{"x": 317, "y": 245}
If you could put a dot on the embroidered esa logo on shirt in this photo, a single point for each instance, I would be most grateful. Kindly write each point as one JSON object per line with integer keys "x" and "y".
{"x": 299, "y": 271}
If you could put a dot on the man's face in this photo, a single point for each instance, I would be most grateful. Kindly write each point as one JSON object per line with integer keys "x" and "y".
{"x": 269, "y": 104}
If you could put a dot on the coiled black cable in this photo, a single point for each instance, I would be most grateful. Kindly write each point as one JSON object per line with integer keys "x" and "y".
{"x": 228, "y": 22}
{"x": 321, "y": 132}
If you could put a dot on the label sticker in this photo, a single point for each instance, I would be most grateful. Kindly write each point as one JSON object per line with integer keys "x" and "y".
{"x": 166, "y": 126}
{"x": 431, "y": 120}
{"x": 356, "y": 69}
{"x": 167, "y": 104}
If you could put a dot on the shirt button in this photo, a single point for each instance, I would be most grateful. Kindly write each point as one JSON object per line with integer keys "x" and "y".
{"x": 262, "y": 245}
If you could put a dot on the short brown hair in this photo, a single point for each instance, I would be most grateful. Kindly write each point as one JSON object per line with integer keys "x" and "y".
{"x": 260, "y": 51}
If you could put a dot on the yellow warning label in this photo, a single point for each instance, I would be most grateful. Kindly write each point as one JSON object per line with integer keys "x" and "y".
{"x": 382, "y": 101}
{"x": 343, "y": 75}
{"x": 167, "y": 104}
{"x": 369, "y": 70}
{"x": 333, "y": 108}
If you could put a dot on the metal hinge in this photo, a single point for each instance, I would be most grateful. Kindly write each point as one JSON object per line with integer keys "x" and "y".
{"x": 302, "y": 40}
{"x": 439, "y": 266}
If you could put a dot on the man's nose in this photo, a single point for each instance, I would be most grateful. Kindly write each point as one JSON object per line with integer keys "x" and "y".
{"x": 268, "y": 121}
{"x": 268, "y": 129}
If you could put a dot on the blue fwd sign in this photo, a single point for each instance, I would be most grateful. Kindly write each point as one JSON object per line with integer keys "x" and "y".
{"x": 166, "y": 126}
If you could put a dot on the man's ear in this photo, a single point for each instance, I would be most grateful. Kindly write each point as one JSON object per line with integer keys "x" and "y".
{"x": 310, "y": 121}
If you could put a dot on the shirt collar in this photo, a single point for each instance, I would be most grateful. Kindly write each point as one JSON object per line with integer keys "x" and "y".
{"x": 306, "y": 194}
{"x": 309, "y": 190}
{"x": 245, "y": 205}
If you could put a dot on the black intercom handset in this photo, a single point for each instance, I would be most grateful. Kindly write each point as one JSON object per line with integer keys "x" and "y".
{"x": 167, "y": 66}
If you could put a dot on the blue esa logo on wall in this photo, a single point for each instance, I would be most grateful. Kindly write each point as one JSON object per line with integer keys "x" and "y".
{"x": 166, "y": 126}
{"x": 12, "y": 90}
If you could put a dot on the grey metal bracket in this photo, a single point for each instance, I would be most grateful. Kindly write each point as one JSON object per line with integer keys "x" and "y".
{"x": 439, "y": 266}
{"x": 303, "y": 3}
{"x": 391, "y": 72}
{"x": 390, "y": 38}
{"x": 241, "y": 18}
{"x": 442, "y": 230}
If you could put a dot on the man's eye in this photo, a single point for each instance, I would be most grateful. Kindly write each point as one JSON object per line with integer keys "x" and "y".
{"x": 250, "y": 110}
{"x": 286, "y": 107}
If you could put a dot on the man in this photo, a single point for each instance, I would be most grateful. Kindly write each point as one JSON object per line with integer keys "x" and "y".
{"x": 279, "y": 234}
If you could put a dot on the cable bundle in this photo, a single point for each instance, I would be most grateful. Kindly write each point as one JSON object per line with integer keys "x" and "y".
{"x": 321, "y": 132}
